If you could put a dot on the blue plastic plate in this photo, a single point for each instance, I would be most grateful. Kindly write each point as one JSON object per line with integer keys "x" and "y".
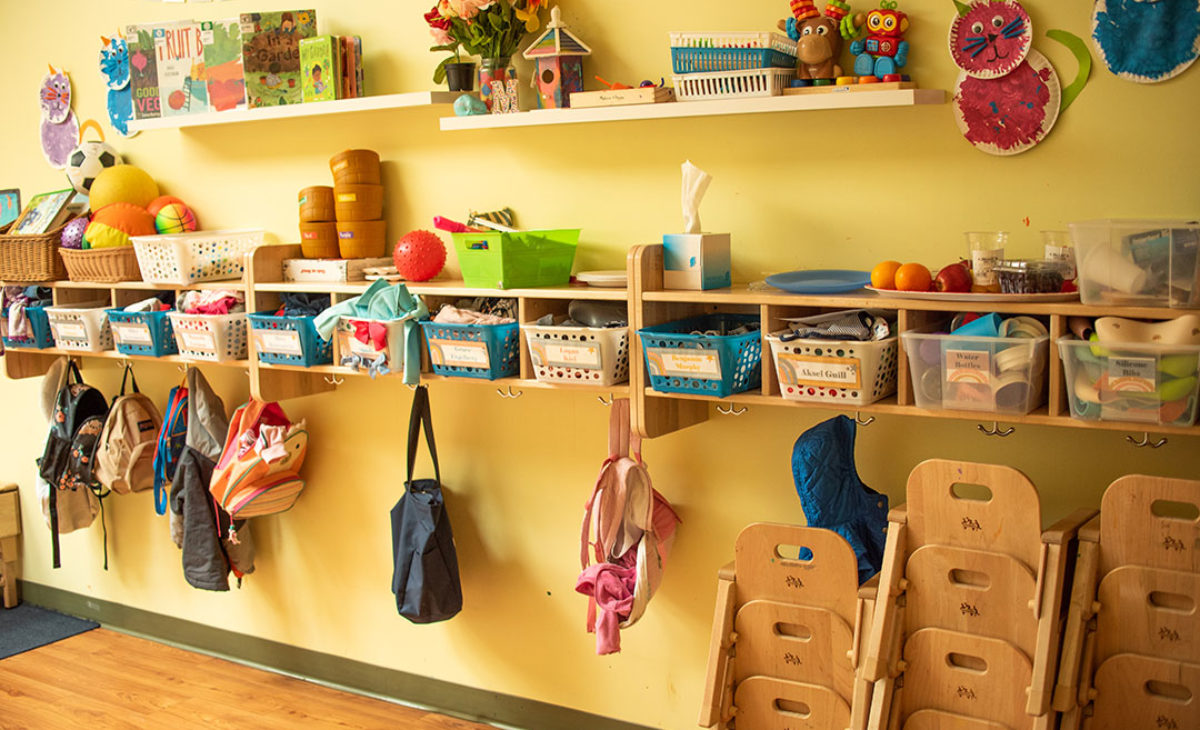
{"x": 820, "y": 281}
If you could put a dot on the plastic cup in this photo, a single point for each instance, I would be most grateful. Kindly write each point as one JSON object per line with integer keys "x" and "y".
{"x": 987, "y": 251}
{"x": 1109, "y": 269}
{"x": 1059, "y": 247}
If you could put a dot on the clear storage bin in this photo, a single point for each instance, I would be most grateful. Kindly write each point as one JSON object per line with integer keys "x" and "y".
{"x": 1137, "y": 383}
{"x": 992, "y": 374}
{"x": 1150, "y": 263}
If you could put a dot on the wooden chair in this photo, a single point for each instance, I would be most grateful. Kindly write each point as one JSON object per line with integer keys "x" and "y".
{"x": 10, "y": 533}
{"x": 966, "y": 557}
{"x": 1131, "y": 649}
{"x": 785, "y": 635}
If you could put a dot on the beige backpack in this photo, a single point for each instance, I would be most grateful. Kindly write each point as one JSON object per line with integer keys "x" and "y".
{"x": 125, "y": 452}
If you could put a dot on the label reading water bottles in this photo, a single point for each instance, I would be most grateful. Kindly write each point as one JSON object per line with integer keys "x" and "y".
{"x": 983, "y": 263}
{"x": 968, "y": 366}
{"x": 679, "y": 364}
{"x": 132, "y": 334}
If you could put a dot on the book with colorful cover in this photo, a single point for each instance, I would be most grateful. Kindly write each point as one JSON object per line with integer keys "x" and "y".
{"x": 321, "y": 64}
{"x": 143, "y": 71}
{"x": 222, "y": 40}
{"x": 358, "y": 65}
{"x": 271, "y": 55}
{"x": 180, "y": 57}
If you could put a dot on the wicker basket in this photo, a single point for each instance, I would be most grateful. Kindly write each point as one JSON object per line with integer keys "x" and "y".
{"x": 31, "y": 257}
{"x": 104, "y": 265}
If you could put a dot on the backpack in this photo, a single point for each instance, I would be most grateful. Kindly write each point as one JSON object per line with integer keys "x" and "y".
{"x": 258, "y": 472}
{"x": 69, "y": 456}
{"x": 125, "y": 453}
{"x": 634, "y": 526}
{"x": 169, "y": 446}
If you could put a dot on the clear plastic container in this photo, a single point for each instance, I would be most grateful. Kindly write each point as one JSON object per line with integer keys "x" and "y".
{"x": 1137, "y": 383}
{"x": 1031, "y": 276}
{"x": 1149, "y": 263}
{"x": 993, "y": 374}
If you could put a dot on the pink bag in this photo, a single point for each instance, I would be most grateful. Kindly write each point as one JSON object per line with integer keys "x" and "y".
{"x": 634, "y": 527}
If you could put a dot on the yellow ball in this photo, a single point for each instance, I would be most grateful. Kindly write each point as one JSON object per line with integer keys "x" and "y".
{"x": 123, "y": 184}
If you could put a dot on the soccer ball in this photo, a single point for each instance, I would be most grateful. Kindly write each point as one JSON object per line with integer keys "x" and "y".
{"x": 87, "y": 161}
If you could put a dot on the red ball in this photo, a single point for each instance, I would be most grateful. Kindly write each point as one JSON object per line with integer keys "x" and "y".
{"x": 419, "y": 256}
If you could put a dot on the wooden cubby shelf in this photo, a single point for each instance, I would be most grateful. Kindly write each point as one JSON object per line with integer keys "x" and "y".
{"x": 654, "y": 413}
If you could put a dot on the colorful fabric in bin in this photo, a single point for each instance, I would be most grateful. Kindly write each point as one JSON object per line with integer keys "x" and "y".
{"x": 19, "y": 328}
{"x": 383, "y": 302}
{"x": 832, "y": 495}
{"x": 211, "y": 301}
{"x": 302, "y": 305}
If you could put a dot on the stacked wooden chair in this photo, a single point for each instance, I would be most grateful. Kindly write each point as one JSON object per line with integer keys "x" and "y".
{"x": 786, "y": 634}
{"x": 10, "y": 534}
{"x": 1131, "y": 650}
{"x": 968, "y": 626}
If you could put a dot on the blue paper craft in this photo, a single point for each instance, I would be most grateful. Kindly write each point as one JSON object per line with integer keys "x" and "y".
{"x": 10, "y": 206}
{"x": 1147, "y": 42}
{"x": 114, "y": 67}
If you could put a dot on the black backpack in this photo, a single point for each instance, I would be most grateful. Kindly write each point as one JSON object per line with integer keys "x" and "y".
{"x": 69, "y": 456}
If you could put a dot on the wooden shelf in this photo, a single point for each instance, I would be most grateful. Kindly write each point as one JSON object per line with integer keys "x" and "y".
{"x": 311, "y": 109}
{"x": 620, "y": 390}
{"x": 450, "y": 288}
{"x": 712, "y": 108}
{"x": 114, "y": 355}
{"x": 231, "y": 284}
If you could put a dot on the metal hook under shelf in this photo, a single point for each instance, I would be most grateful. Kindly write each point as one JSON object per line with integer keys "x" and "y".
{"x": 995, "y": 430}
{"x": 858, "y": 419}
{"x": 731, "y": 411}
{"x": 608, "y": 402}
{"x": 334, "y": 380}
{"x": 1146, "y": 441}
{"x": 510, "y": 393}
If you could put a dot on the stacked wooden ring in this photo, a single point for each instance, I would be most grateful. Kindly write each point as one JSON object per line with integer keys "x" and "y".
{"x": 358, "y": 204}
{"x": 318, "y": 231}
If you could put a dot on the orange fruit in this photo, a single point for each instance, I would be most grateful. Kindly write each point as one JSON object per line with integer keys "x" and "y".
{"x": 883, "y": 276}
{"x": 913, "y": 277}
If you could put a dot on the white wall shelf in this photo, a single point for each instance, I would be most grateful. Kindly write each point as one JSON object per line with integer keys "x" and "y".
{"x": 316, "y": 108}
{"x": 721, "y": 107}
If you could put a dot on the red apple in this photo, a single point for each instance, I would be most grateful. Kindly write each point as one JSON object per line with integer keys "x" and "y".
{"x": 953, "y": 278}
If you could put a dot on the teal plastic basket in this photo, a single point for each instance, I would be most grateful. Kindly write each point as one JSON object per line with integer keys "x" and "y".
{"x": 694, "y": 60}
{"x": 289, "y": 340}
{"x": 142, "y": 333}
{"x": 487, "y": 351}
{"x": 39, "y": 324}
{"x": 694, "y": 356}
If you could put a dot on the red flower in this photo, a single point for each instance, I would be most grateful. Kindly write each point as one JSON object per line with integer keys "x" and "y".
{"x": 435, "y": 19}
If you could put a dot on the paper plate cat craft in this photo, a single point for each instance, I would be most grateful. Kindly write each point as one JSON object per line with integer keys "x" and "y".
{"x": 1008, "y": 96}
{"x": 1147, "y": 40}
{"x": 114, "y": 67}
{"x": 59, "y": 128}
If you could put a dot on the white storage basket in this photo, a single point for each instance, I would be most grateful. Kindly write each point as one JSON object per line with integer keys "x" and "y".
{"x": 349, "y": 351}
{"x": 732, "y": 84}
{"x": 184, "y": 258}
{"x": 212, "y": 337}
{"x": 587, "y": 355}
{"x": 835, "y": 371}
{"x": 82, "y": 327}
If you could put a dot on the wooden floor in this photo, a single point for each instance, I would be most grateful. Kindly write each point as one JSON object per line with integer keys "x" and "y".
{"x": 105, "y": 679}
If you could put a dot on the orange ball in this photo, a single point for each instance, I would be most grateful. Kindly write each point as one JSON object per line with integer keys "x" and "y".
{"x": 913, "y": 277}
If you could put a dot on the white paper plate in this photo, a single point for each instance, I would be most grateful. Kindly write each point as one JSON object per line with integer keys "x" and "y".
{"x": 614, "y": 279}
{"x": 936, "y": 296}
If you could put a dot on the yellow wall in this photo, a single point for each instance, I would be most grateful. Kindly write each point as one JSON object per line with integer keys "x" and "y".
{"x": 802, "y": 190}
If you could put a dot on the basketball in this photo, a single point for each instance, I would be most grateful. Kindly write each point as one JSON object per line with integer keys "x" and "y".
{"x": 175, "y": 218}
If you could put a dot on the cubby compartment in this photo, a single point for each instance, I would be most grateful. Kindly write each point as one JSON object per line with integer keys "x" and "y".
{"x": 990, "y": 374}
{"x": 712, "y": 354}
{"x": 1154, "y": 384}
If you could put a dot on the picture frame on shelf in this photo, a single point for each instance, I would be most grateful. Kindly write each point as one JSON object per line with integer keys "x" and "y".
{"x": 43, "y": 211}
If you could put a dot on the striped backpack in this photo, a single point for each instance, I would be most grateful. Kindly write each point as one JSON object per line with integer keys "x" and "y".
{"x": 258, "y": 472}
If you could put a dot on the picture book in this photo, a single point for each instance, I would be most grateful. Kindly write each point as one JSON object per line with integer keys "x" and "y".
{"x": 143, "y": 72}
{"x": 359, "y": 90}
{"x": 180, "y": 58}
{"x": 222, "y": 41}
{"x": 271, "y": 55}
{"x": 321, "y": 64}
{"x": 10, "y": 205}
{"x": 351, "y": 81}
{"x": 43, "y": 212}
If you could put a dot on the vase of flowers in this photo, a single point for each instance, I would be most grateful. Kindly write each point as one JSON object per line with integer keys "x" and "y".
{"x": 490, "y": 29}
{"x": 458, "y": 74}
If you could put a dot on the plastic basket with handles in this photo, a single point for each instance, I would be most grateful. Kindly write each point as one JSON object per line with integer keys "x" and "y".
{"x": 39, "y": 336}
{"x": 184, "y": 258}
{"x": 586, "y": 355}
{"x": 835, "y": 371}
{"x": 733, "y": 84}
{"x": 211, "y": 337}
{"x": 693, "y": 356}
{"x": 734, "y": 51}
{"x": 486, "y": 351}
{"x": 142, "y": 333}
{"x": 82, "y": 327}
{"x": 289, "y": 340}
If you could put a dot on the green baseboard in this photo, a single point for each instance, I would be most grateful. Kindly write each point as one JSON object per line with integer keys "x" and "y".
{"x": 452, "y": 699}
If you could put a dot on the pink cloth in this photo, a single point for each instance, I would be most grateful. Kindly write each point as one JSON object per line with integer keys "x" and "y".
{"x": 453, "y": 315}
{"x": 609, "y": 588}
{"x": 215, "y": 301}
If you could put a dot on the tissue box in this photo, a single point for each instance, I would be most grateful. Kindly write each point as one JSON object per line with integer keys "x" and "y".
{"x": 696, "y": 261}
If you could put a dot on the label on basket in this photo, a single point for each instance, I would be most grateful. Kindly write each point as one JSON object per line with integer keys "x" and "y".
{"x": 358, "y": 347}
{"x": 198, "y": 341}
{"x": 968, "y": 366}
{"x": 132, "y": 334}
{"x": 1131, "y": 388}
{"x": 567, "y": 355}
{"x": 282, "y": 342}
{"x": 347, "y": 198}
{"x": 666, "y": 362}
{"x": 70, "y": 331}
{"x": 823, "y": 372}
{"x": 459, "y": 353}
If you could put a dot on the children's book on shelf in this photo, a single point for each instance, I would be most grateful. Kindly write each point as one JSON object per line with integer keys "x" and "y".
{"x": 222, "y": 40}
{"x": 271, "y": 55}
{"x": 359, "y": 89}
{"x": 143, "y": 71}
{"x": 44, "y": 212}
{"x": 181, "y": 85}
{"x": 321, "y": 64}
{"x": 352, "y": 67}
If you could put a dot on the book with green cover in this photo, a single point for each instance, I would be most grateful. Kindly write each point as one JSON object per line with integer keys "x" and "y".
{"x": 271, "y": 55}
{"x": 223, "y": 63}
{"x": 321, "y": 64}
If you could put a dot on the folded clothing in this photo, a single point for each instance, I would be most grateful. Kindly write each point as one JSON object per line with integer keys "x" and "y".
{"x": 216, "y": 301}
{"x": 857, "y": 325}
{"x": 303, "y": 305}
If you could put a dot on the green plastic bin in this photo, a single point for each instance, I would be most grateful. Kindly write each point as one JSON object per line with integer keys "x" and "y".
{"x": 496, "y": 260}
